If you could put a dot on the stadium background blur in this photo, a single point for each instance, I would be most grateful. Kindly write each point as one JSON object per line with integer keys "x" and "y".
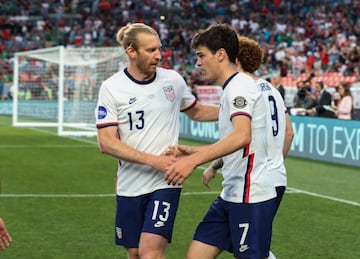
{"x": 302, "y": 40}
{"x": 35, "y": 202}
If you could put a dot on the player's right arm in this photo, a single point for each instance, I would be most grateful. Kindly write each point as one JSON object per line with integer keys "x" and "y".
{"x": 110, "y": 143}
{"x": 289, "y": 135}
{"x": 237, "y": 139}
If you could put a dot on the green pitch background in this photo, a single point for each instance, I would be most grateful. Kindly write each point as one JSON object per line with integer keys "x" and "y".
{"x": 57, "y": 199}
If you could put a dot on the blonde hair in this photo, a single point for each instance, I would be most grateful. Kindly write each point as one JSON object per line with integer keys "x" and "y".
{"x": 127, "y": 35}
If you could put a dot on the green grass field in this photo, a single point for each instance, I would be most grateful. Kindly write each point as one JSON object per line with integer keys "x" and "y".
{"x": 57, "y": 199}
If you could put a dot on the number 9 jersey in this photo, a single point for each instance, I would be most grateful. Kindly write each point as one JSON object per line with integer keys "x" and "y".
{"x": 276, "y": 111}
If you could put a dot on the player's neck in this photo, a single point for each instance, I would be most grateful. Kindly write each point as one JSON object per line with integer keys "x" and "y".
{"x": 226, "y": 73}
{"x": 245, "y": 72}
{"x": 138, "y": 75}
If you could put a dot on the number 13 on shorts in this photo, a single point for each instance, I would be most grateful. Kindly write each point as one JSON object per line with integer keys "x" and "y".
{"x": 160, "y": 212}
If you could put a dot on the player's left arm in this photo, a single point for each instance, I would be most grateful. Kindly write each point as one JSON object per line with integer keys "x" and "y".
{"x": 210, "y": 172}
{"x": 203, "y": 112}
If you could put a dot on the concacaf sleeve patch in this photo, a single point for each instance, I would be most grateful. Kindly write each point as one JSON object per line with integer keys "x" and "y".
{"x": 102, "y": 112}
{"x": 239, "y": 102}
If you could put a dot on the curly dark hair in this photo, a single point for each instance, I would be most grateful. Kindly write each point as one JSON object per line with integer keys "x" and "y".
{"x": 250, "y": 55}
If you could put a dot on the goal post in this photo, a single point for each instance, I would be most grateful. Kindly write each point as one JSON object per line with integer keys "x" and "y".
{"x": 58, "y": 87}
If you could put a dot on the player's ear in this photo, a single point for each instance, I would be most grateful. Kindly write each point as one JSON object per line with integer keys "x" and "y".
{"x": 221, "y": 54}
{"x": 131, "y": 52}
{"x": 238, "y": 64}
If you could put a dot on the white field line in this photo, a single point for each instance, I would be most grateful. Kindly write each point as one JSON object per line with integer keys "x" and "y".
{"x": 288, "y": 189}
{"x": 354, "y": 203}
{"x": 84, "y": 140}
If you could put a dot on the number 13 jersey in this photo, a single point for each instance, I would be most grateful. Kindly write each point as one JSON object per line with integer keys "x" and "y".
{"x": 147, "y": 116}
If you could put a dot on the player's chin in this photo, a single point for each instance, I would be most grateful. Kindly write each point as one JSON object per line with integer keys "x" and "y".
{"x": 152, "y": 67}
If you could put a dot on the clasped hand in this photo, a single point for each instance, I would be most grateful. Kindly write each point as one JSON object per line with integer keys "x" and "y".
{"x": 179, "y": 171}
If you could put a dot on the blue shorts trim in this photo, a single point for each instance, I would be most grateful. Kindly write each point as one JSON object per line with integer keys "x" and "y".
{"x": 152, "y": 213}
{"x": 243, "y": 229}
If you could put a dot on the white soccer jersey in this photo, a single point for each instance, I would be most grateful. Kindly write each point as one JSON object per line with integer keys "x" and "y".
{"x": 245, "y": 172}
{"x": 147, "y": 116}
{"x": 276, "y": 116}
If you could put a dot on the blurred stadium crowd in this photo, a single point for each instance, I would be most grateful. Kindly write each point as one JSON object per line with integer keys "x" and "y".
{"x": 301, "y": 39}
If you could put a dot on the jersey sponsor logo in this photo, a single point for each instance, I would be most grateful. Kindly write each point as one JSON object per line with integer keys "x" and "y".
{"x": 132, "y": 100}
{"x": 119, "y": 232}
{"x": 101, "y": 112}
{"x": 169, "y": 93}
{"x": 159, "y": 224}
{"x": 239, "y": 102}
{"x": 243, "y": 248}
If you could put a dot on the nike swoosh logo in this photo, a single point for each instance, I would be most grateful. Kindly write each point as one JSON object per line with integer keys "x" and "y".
{"x": 243, "y": 248}
{"x": 159, "y": 224}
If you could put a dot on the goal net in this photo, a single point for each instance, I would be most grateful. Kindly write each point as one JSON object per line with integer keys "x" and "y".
{"x": 58, "y": 87}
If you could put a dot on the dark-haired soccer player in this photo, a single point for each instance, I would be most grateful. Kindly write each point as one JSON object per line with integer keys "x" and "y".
{"x": 240, "y": 219}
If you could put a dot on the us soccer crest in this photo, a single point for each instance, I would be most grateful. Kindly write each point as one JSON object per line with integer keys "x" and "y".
{"x": 169, "y": 93}
{"x": 119, "y": 232}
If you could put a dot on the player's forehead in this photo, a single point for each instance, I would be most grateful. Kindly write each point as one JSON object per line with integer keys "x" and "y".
{"x": 202, "y": 50}
{"x": 148, "y": 40}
